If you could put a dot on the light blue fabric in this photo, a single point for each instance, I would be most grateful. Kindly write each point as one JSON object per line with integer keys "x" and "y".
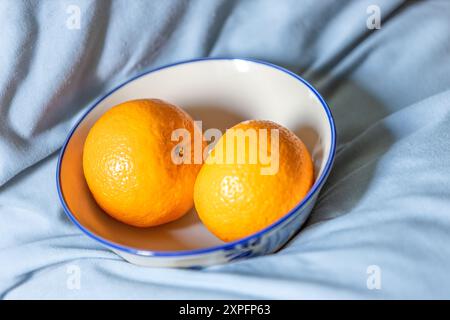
{"x": 387, "y": 201}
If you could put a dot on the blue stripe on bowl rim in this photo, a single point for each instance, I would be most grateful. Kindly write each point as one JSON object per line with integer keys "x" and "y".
{"x": 228, "y": 246}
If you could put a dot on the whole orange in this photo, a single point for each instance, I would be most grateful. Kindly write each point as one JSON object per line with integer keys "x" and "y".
{"x": 241, "y": 190}
{"x": 128, "y": 163}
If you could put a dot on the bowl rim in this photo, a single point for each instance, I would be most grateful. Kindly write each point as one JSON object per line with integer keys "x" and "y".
{"x": 227, "y": 246}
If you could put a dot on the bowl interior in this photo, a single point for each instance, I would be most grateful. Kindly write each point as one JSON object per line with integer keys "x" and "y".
{"x": 221, "y": 93}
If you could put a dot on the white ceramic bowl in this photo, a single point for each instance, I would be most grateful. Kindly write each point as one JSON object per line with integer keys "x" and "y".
{"x": 221, "y": 92}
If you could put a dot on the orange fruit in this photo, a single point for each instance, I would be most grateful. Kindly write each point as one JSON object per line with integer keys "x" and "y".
{"x": 128, "y": 166}
{"x": 236, "y": 196}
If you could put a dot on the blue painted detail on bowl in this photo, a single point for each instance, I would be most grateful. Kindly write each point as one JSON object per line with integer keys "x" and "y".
{"x": 271, "y": 242}
{"x": 265, "y": 241}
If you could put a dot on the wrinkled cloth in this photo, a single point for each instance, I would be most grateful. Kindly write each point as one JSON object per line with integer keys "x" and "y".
{"x": 381, "y": 226}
